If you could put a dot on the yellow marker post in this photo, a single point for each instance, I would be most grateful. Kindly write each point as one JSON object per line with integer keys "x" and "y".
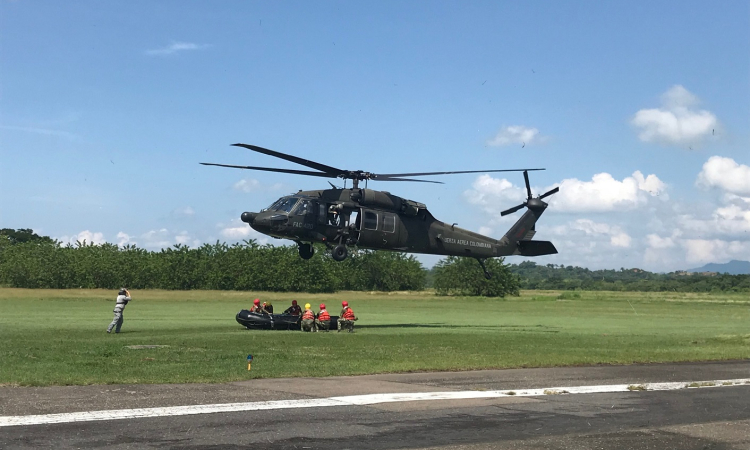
{"x": 249, "y": 360}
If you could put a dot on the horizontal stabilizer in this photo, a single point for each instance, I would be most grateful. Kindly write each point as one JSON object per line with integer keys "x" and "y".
{"x": 536, "y": 248}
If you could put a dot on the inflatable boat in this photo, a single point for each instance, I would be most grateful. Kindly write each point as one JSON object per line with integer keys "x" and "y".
{"x": 256, "y": 321}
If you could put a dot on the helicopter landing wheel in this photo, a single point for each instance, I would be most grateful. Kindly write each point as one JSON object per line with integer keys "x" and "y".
{"x": 306, "y": 251}
{"x": 339, "y": 252}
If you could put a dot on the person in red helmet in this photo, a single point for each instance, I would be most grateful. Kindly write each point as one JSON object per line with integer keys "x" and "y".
{"x": 323, "y": 320}
{"x": 294, "y": 310}
{"x": 256, "y": 307}
{"x": 346, "y": 317}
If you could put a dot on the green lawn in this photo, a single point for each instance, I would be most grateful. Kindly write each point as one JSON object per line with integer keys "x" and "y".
{"x": 52, "y": 337}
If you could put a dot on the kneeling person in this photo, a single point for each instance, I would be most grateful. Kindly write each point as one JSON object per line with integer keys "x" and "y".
{"x": 308, "y": 319}
{"x": 323, "y": 322}
{"x": 346, "y": 317}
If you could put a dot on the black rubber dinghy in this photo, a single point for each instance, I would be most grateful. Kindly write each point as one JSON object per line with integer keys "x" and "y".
{"x": 255, "y": 321}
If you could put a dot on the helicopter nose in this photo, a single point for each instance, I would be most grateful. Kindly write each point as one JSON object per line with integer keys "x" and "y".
{"x": 248, "y": 217}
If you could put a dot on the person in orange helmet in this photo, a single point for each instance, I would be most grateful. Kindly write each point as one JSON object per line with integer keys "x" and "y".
{"x": 346, "y": 317}
{"x": 323, "y": 321}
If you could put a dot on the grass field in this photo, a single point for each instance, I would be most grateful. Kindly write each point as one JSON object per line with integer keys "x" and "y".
{"x": 58, "y": 337}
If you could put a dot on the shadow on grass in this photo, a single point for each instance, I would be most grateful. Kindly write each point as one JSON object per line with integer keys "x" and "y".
{"x": 532, "y": 328}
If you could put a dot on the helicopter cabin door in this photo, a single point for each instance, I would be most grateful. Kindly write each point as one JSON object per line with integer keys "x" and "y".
{"x": 378, "y": 229}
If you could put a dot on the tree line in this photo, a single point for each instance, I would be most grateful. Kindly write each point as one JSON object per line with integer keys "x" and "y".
{"x": 28, "y": 260}
{"x": 559, "y": 277}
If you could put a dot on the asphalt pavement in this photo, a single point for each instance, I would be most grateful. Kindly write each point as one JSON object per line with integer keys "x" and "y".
{"x": 715, "y": 416}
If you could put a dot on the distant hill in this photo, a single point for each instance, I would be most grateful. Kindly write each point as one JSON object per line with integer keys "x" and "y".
{"x": 733, "y": 267}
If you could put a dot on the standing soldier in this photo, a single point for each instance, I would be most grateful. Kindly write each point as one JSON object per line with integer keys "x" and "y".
{"x": 346, "y": 317}
{"x": 323, "y": 321}
{"x": 294, "y": 310}
{"x": 308, "y": 319}
{"x": 123, "y": 297}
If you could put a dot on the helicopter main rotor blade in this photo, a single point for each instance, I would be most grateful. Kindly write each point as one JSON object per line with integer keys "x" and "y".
{"x": 305, "y": 162}
{"x": 387, "y": 178}
{"x": 550, "y": 192}
{"x": 419, "y": 174}
{"x": 271, "y": 169}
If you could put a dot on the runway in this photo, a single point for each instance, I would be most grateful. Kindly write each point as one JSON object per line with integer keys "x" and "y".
{"x": 500, "y": 409}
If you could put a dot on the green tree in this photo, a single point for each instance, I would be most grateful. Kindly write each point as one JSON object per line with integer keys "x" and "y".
{"x": 464, "y": 276}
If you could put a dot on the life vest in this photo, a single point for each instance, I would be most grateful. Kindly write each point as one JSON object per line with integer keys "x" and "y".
{"x": 348, "y": 314}
{"x": 308, "y": 315}
{"x": 323, "y": 315}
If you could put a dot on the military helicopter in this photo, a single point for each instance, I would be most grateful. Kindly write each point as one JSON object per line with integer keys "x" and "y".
{"x": 342, "y": 218}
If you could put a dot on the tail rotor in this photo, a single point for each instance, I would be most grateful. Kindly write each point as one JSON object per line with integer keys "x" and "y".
{"x": 530, "y": 200}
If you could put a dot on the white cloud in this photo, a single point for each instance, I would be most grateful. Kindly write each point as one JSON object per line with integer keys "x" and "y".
{"x": 605, "y": 193}
{"x": 158, "y": 239}
{"x": 602, "y": 193}
{"x": 237, "y": 230}
{"x": 677, "y": 121}
{"x": 516, "y": 134}
{"x": 702, "y": 251}
{"x": 123, "y": 239}
{"x": 656, "y": 241}
{"x": 86, "y": 236}
{"x": 732, "y": 221}
{"x": 487, "y": 231}
{"x": 249, "y": 185}
{"x": 494, "y": 194}
{"x": 175, "y": 47}
{"x": 187, "y": 211}
{"x": 725, "y": 174}
{"x": 587, "y": 228}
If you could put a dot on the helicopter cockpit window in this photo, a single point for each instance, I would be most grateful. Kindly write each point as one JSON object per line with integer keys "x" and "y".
{"x": 283, "y": 204}
{"x": 371, "y": 221}
{"x": 304, "y": 207}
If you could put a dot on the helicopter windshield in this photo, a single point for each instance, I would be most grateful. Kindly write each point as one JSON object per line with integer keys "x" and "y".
{"x": 283, "y": 204}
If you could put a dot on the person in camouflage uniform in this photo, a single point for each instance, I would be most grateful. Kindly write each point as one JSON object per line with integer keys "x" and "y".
{"x": 308, "y": 319}
{"x": 123, "y": 297}
{"x": 346, "y": 317}
{"x": 323, "y": 321}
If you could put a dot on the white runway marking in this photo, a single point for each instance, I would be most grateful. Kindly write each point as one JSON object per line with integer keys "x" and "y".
{"x": 350, "y": 400}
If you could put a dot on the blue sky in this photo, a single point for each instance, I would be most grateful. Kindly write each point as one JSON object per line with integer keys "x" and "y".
{"x": 639, "y": 111}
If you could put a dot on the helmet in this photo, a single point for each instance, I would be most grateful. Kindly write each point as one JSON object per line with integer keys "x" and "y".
{"x": 123, "y": 291}
{"x": 322, "y": 306}
{"x": 344, "y": 303}
{"x": 294, "y": 302}
{"x": 256, "y": 301}
{"x": 307, "y": 306}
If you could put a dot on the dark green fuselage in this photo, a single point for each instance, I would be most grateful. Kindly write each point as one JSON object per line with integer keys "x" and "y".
{"x": 379, "y": 220}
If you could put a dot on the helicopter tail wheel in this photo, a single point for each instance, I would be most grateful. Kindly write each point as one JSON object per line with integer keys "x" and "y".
{"x": 306, "y": 251}
{"x": 339, "y": 252}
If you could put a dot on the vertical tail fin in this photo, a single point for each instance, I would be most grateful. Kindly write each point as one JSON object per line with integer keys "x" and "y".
{"x": 523, "y": 230}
